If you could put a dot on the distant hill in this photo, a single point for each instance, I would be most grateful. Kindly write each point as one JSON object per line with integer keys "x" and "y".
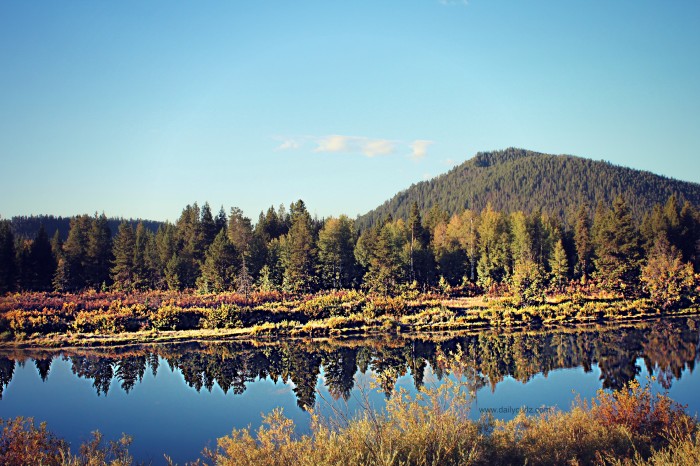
{"x": 28, "y": 226}
{"x": 517, "y": 179}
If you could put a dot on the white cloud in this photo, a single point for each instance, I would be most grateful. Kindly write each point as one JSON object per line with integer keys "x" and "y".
{"x": 289, "y": 144}
{"x": 419, "y": 148}
{"x": 334, "y": 143}
{"x": 374, "y": 147}
{"x": 369, "y": 147}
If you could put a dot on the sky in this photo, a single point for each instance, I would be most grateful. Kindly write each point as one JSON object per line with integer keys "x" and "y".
{"x": 136, "y": 109}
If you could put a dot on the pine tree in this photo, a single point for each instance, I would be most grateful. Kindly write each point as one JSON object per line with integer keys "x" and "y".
{"x": 240, "y": 232}
{"x": 219, "y": 268}
{"x": 221, "y": 220}
{"x": 123, "y": 271}
{"x": 299, "y": 251}
{"x": 43, "y": 263}
{"x": 208, "y": 225}
{"x": 336, "y": 258}
{"x": 59, "y": 281}
{"x": 173, "y": 270}
{"x": 582, "y": 240}
{"x": 265, "y": 283}
{"x": 75, "y": 251}
{"x": 421, "y": 259}
{"x": 99, "y": 252}
{"x": 190, "y": 247}
{"x": 617, "y": 249}
{"x": 559, "y": 265}
{"x": 142, "y": 273}
{"x": 8, "y": 264}
{"x": 494, "y": 240}
{"x": 527, "y": 282}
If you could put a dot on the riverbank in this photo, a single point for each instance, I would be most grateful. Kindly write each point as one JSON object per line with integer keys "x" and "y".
{"x": 105, "y": 319}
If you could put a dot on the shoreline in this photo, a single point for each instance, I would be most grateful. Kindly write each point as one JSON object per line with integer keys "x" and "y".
{"x": 430, "y": 322}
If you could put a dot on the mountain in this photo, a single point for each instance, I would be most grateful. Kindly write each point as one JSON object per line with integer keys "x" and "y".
{"x": 518, "y": 179}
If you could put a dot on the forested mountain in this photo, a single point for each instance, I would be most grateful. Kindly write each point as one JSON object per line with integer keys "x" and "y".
{"x": 517, "y": 179}
{"x": 28, "y": 226}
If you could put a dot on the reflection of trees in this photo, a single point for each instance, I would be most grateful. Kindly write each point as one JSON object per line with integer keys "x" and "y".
{"x": 43, "y": 365}
{"x": 7, "y": 370}
{"x": 339, "y": 367}
{"x": 488, "y": 357}
{"x": 303, "y": 371}
{"x": 98, "y": 369}
{"x": 389, "y": 364}
{"x": 668, "y": 350}
{"x": 129, "y": 370}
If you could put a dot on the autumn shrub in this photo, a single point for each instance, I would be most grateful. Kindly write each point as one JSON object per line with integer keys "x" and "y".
{"x": 395, "y": 306}
{"x": 223, "y": 316}
{"x": 22, "y": 442}
{"x": 171, "y": 317}
{"x": 337, "y": 303}
{"x": 29, "y": 322}
{"x": 649, "y": 418}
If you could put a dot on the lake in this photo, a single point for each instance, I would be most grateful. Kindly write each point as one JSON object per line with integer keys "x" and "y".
{"x": 179, "y": 398}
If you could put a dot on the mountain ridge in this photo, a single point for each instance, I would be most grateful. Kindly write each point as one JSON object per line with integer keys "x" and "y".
{"x": 519, "y": 179}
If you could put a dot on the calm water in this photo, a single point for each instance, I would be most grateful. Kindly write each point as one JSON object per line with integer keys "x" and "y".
{"x": 177, "y": 399}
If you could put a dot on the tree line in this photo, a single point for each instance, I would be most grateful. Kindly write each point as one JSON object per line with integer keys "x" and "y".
{"x": 287, "y": 249}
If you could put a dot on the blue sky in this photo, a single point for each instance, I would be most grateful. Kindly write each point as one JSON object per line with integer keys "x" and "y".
{"x": 139, "y": 108}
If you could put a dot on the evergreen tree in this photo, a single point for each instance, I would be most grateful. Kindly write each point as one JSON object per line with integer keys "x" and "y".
{"x": 240, "y": 232}
{"x": 75, "y": 253}
{"x": 42, "y": 262}
{"x": 559, "y": 265}
{"x": 143, "y": 275}
{"x": 299, "y": 251}
{"x": 221, "y": 220}
{"x": 689, "y": 235}
{"x": 190, "y": 247}
{"x": 174, "y": 269}
{"x": 60, "y": 277}
{"x": 99, "y": 252}
{"x": 494, "y": 240}
{"x": 618, "y": 250}
{"x": 421, "y": 259}
{"x": 8, "y": 264}
{"x": 208, "y": 225}
{"x": 582, "y": 240}
{"x": 527, "y": 282}
{"x": 219, "y": 269}
{"x": 23, "y": 261}
{"x": 265, "y": 283}
{"x": 336, "y": 258}
{"x": 124, "y": 271}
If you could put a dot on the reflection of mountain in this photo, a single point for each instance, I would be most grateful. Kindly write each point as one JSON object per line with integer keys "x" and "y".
{"x": 667, "y": 348}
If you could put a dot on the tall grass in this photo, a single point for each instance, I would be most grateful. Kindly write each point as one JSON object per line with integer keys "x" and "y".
{"x": 632, "y": 426}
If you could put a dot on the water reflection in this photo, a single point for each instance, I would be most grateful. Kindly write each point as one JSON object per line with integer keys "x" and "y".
{"x": 666, "y": 347}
